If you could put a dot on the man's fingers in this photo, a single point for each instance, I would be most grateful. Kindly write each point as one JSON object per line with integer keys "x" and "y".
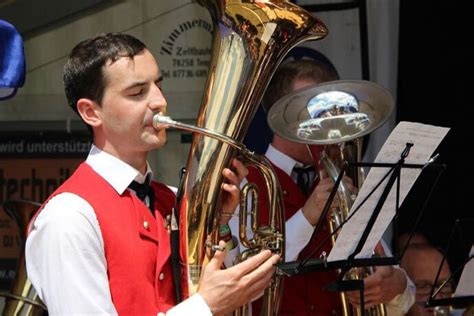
{"x": 371, "y": 281}
{"x": 352, "y": 296}
{"x": 230, "y": 176}
{"x": 257, "y": 288}
{"x": 349, "y": 185}
{"x": 373, "y": 290}
{"x": 231, "y": 188}
{"x": 265, "y": 270}
{"x": 259, "y": 279}
{"x": 240, "y": 169}
{"x": 369, "y": 299}
{"x": 249, "y": 265}
{"x": 323, "y": 174}
{"x": 218, "y": 259}
{"x": 367, "y": 304}
{"x": 326, "y": 185}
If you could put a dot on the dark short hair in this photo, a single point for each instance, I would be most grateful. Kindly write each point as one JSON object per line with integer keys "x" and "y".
{"x": 83, "y": 75}
{"x": 284, "y": 78}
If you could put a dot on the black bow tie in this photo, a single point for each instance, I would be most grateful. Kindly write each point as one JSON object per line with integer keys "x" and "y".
{"x": 305, "y": 177}
{"x": 144, "y": 190}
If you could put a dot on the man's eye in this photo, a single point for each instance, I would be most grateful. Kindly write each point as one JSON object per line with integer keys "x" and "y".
{"x": 136, "y": 93}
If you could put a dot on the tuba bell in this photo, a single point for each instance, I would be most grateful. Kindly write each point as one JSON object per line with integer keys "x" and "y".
{"x": 250, "y": 38}
{"x": 337, "y": 115}
{"x": 22, "y": 298}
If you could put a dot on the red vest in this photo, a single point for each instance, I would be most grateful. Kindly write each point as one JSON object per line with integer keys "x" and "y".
{"x": 136, "y": 244}
{"x": 302, "y": 294}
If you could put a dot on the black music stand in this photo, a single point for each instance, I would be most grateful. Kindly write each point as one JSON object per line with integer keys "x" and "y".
{"x": 312, "y": 265}
{"x": 458, "y": 301}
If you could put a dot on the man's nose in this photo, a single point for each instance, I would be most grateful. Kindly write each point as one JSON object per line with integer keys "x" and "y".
{"x": 158, "y": 100}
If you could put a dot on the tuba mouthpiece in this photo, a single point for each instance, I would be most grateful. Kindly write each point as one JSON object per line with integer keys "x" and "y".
{"x": 161, "y": 121}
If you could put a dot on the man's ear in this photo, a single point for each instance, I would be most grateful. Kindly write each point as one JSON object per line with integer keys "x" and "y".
{"x": 90, "y": 112}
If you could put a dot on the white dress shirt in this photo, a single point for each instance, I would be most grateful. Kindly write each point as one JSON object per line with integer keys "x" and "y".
{"x": 298, "y": 233}
{"x": 65, "y": 256}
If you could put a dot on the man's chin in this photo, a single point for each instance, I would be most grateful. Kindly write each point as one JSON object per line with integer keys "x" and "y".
{"x": 160, "y": 142}
{"x": 156, "y": 140}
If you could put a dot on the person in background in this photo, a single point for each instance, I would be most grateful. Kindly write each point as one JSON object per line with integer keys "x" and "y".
{"x": 421, "y": 261}
{"x": 100, "y": 243}
{"x": 407, "y": 239}
{"x": 305, "y": 192}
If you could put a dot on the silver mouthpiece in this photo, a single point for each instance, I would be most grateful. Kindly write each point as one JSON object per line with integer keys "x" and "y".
{"x": 162, "y": 121}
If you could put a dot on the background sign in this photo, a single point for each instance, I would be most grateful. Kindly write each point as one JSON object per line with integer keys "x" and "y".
{"x": 31, "y": 168}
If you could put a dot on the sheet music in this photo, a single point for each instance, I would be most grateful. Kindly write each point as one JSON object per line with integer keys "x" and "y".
{"x": 425, "y": 139}
{"x": 466, "y": 282}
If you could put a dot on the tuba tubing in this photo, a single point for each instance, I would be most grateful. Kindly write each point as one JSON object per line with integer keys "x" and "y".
{"x": 271, "y": 236}
{"x": 250, "y": 39}
{"x": 341, "y": 213}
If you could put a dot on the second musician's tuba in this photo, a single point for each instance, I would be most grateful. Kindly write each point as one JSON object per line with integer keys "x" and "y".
{"x": 335, "y": 114}
{"x": 250, "y": 39}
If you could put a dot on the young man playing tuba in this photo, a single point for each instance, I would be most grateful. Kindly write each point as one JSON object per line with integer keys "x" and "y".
{"x": 99, "y": 244}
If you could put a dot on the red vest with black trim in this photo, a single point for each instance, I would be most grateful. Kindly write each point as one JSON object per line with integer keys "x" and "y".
{"x": 136, "y": 244}
{"x": 302, "y": 294}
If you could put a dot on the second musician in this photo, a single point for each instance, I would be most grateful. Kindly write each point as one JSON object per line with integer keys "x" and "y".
{"x": 305, "y": 195}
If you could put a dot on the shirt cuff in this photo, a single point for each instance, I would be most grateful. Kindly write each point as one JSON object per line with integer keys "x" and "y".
{"x": 195, "y": 305}
{"x": 402, "y": 302}
{"x": 298, "y": 234}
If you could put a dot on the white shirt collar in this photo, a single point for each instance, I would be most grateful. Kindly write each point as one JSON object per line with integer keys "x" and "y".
{"x": 281, "y": 160}
{"x": 116, "y": 172}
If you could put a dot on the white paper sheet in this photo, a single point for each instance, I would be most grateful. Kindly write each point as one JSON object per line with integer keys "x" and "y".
{"x": 426, "y": 139}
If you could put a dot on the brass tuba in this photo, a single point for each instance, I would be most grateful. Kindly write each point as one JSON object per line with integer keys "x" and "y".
{"x": 335, "y": 114}
{"x": 442, "y": 311}
{"x": 250, "y": 39}
{"x": 22, "y": 298}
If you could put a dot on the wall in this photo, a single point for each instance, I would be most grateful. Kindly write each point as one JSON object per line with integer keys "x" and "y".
{"x": 167, "y": 27}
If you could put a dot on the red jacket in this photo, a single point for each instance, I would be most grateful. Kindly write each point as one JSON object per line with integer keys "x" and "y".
{"x": 136, "y": 244}
{"x": 302, "y": 294}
